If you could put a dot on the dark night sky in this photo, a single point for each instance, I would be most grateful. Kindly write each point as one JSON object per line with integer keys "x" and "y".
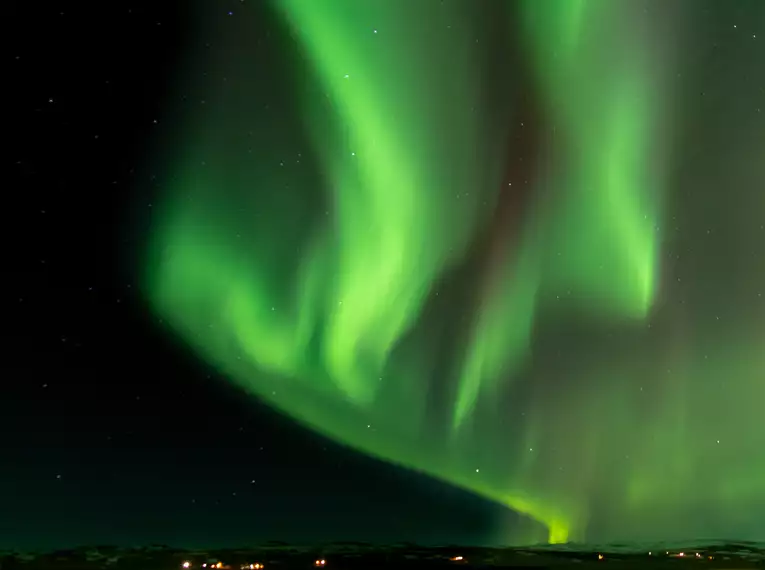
{"x": 110, "y": 432}
{"x": 114, "y": 432}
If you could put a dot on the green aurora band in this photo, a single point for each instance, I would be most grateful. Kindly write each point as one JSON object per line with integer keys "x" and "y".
{"x": 325, "y": 298}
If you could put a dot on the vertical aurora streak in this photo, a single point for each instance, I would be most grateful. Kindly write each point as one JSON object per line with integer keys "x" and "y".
{"x": 587, "y": 390}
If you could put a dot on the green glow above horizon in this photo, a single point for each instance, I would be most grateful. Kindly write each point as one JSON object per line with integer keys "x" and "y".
{"x": 323, "y": 293}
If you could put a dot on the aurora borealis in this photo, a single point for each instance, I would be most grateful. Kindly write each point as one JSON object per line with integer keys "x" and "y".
{"x": 505, "y": 244}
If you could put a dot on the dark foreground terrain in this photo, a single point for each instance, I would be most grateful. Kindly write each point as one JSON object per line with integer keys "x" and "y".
{"x": 352, "y": 556}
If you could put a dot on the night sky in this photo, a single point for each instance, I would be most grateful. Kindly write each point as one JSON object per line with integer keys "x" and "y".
{"x": 433, "y": 271}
